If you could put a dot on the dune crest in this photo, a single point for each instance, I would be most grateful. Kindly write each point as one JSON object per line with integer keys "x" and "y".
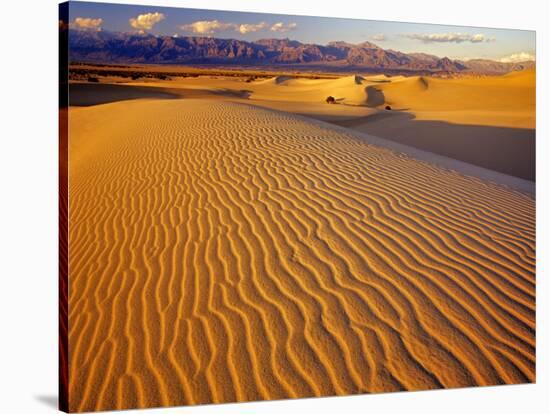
{"x": 504, "y": 101}
{"x": 347, "y": 90}
{"x": 223, "y": 252}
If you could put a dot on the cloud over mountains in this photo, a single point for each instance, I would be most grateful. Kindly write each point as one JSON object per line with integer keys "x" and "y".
{"x": 88, "y": 23}
{"x": 146, "y": 21}
{"x": 518, "y": 57}
{"x": 281, "y": 27}
{"x": 449, "y": 37}
{"x": 208, "y": 27}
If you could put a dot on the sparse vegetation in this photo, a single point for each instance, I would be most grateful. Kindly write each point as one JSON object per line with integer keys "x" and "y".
{"x": 330, "y": 100}
{"x": 81, "y": 71}
{"x": 387, "y": 108}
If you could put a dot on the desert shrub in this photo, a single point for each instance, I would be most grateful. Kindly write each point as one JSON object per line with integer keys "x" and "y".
{"x": 330, "y": 100}
{"x": 92, "y": 79}
{"x": 387, "y": 108}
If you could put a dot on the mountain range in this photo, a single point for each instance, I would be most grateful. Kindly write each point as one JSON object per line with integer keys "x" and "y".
{"x": 118, "y": 47}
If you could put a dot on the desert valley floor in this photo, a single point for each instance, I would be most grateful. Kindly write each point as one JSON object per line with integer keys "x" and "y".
{"x": 229, "y": 246}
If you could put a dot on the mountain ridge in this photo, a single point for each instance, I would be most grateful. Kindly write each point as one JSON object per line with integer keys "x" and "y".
{"x": 120, "y": 47}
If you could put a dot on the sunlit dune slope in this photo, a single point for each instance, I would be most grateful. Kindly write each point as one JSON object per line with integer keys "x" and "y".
{"x": 502, "y": 101}
{"x": 505, "y": 101}
{"x": 350, "y": 90}
{"x": 489, "y": 122}
{"x": 222, "y": 252}
{"x": 347, "y": 90}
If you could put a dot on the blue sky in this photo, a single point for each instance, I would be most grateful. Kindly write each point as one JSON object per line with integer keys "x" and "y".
{"x": 453, "y": 41}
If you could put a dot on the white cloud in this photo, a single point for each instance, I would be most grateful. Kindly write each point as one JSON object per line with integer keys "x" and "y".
{"x": 146, "y": 21}
{"x": 281, "y": 27}
{"x": 88, "y": 23}
{"x": 480, "y": 37}
{"x": 249, "y": 28}
{"x": 449, "y": 37}
{"x": 518, "y": 57}
{"x": 379, "y": 37}
{"x": 207, "y": 26}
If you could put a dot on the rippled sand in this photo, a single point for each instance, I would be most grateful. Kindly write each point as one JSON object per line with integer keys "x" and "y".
{"x": 221, "y": 252}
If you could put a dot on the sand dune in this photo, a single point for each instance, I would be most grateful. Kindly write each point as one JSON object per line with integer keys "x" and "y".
{"x": 488, "y": 122}
{"x": 501, "y": 101}
{"x": 504, "y": 101}
{"x": 224, "y": 252}
{"x": 348, "y": 90}
{"x": 507, "y": 150}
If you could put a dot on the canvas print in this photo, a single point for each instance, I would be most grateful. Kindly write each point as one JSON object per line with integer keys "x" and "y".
{"x": 268, "y": 206}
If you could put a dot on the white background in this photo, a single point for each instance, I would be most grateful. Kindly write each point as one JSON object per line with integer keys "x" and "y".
{"x": 28, "y": 204}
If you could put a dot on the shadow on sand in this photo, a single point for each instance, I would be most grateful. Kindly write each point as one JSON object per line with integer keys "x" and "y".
{"x": 507, "y": 150}
{"x": 375, "y": 97}
{"x": 88, "y": 94}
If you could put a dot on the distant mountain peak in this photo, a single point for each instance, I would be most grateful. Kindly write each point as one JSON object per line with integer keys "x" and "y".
{"x": 133, "y": 47}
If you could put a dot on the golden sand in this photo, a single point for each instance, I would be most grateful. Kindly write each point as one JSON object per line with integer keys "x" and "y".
{"x": 488, "y": 122}
{"x": 224, "y": 252}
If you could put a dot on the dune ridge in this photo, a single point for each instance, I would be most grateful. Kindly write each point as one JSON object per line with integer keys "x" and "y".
{"x": 222, "y": 252}
{"x": 504, "y": 101}
{"x": 488, "y": 122}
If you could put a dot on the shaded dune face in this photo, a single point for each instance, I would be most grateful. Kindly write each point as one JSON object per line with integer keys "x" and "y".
{"x": 221, "y": 252}
{"x": 488, "y": 122}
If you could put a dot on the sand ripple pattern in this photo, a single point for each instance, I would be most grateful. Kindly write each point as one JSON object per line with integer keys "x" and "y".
{"x": 221, "y": 252}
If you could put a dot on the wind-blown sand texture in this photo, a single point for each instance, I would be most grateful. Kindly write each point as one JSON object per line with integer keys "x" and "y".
{"x": 224, "y": 252}
{"x": 488, "y": 121}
